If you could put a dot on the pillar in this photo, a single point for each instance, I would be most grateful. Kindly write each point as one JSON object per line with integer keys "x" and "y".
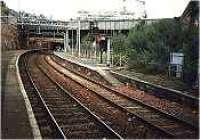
{"x": 79, "y": 38}
{"x": 108, "y": 52}
{"x": 72, "y": 43}
{"x": 66, "y": 41}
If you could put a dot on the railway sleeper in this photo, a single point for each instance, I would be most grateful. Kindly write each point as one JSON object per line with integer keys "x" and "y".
{"x": 46, "y": 131}
{"x": 86, "y": 134}
{"x": 186, "y": 134}
{"x": 84, "y": 126}
{"x": 58, "y": 109}
{"x": 37, "y": 109}
{"x": 57, "y": 104}
{"x": 74, "y": 120}
{"x": 55, "y": 107}
{"x": 61, "y": 116}
{"x": 43, "y": 122}
{"x": 69, "y": 112}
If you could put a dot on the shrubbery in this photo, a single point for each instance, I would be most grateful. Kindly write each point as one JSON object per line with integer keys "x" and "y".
{"x": 191, "y": 52}
{"x": 86, "y": 45}
{"x": 120, "y": 49}
{"x": 148, "y": 46}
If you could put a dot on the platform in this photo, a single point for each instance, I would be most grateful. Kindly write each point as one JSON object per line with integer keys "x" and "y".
{"x": 91, "y": 64}
{"x": 15, "y": 121}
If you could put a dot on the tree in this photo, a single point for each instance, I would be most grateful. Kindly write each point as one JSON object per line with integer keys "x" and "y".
{"x": 4, "y": 9}
{"x": 120, "y": 50}
{"x": 151, "y": 44}
{"x": 191, "y": 53}
{"x": 86, "y": 44}
{"x": 138, "y": 45}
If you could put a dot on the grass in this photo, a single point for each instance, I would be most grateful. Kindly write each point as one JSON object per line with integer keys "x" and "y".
{"x": 156, "y": 78}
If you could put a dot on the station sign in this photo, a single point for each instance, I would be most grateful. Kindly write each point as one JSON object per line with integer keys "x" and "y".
{"x": 176, "y": 58}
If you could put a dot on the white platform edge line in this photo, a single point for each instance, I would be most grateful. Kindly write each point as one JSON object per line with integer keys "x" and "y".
{"x": 35, "y": 128}
{"x": 81, "y": 64}
{"x": 95, "y": 69}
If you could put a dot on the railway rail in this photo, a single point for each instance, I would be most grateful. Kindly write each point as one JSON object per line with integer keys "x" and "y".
{"x": 163, "y": 121}
{"x": 58, "y": 113}
{"x": 126, "y": 124}
{"x": 159, "y": 91}
{"x": 48, "y": 126}
{"x": 180, "y": 111}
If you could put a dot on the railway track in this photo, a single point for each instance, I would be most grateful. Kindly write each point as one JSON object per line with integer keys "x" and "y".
{"x": 126, "y": 124}
{"x": 165, "y": 122}
{"x": 47, "y": 124}
{"x": 179, "y": 110}
{"x": 58, "y": 113}
{"x": 182, "y": 111}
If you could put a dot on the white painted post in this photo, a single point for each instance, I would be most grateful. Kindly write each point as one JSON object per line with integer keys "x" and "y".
{"x": 79, "y": 38}
{"x": 67, "y": 40}
{"x": 108, "y": 52}
{"x": 95, "y": 50}
{"x": 22, "y": 22}
{"x": 39, "y": 27}
{"x": 77, "y": 41}
{"x": 64, "y": 43}
{"x": 120, "y": 60}
{"x": 72, "y": 44}
{"x": 112, "y": 58}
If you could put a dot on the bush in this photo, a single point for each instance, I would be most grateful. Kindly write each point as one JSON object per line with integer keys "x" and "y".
{"x": 151, "y": 44}
{"x": 120, "y": 49}
{"x": 191, "y": 52}
{"x": 86, "y": 44}
{"x": 147, "y": 47}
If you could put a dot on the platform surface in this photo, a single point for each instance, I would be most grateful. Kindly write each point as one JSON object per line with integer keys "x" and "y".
{"x": 91, "y": 64}
{"x": 14, "y": 117}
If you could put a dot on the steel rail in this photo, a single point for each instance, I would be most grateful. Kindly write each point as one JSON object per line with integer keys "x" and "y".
{"x": 162, "y": 112}
{"x": 168, "y": 116}
{"x": 81, "y": 104}
{"x": 59, "y": 130}
{"x": 168, "y": 134}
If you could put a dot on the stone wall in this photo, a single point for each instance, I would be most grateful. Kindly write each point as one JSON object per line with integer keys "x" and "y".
{"x": 9, "y": 37}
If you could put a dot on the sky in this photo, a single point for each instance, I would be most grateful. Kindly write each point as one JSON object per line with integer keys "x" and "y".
{"x": 66, "y": 9}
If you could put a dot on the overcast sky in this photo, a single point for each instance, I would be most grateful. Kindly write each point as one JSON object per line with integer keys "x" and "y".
{"x": 66, "y": 9}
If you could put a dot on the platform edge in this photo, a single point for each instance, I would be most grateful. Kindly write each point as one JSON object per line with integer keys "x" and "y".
{"x": 33, "y": 123}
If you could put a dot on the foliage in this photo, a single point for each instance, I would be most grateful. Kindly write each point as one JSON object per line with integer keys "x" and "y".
{"x": 120, "y": 49}
{"x": 148, "y": 46}
{"x": 86, "y": 44}
{"x": 4, "y": 9}
{"x": 191, "y": 52}
{"x": 152, "y": 43}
